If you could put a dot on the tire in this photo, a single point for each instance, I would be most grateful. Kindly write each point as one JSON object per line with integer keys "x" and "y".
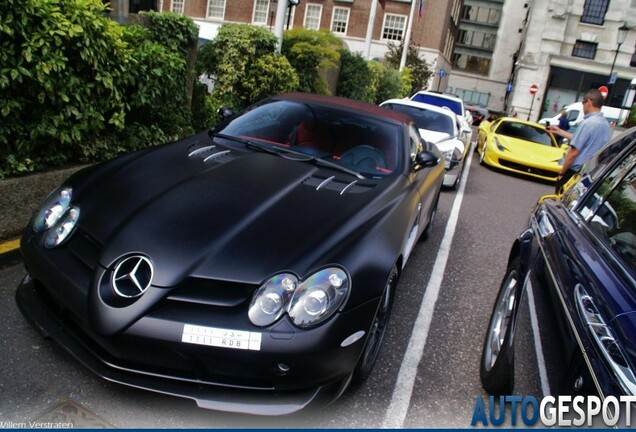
{"x": 431, "y": 222}
{"x": 372, "y": 346}
{"x": 497, "y": 358}
{"x": 482, "y": 155}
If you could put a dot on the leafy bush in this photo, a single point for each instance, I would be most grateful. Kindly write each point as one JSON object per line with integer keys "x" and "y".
{"x": 243, "y": 61}
{"x": 420, "y": 72}
{"x": 309, "y": 52}
{"x": 76, "y": 86}
{"x": 384, "y": 84}
{"x": 58, "y": 80}
{"x": 354, "y": 76}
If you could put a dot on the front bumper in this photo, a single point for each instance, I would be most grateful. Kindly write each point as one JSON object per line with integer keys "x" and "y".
{"x": 506, "y": 162}
{"x": 259, "y": 398}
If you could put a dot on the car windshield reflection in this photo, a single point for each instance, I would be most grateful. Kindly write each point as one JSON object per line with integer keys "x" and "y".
{"x": 360, "y": 143}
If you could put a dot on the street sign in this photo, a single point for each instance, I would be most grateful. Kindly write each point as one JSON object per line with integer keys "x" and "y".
{"x": 509, "y": 88}
{"x": 534, "y": 89}
{"x": 604, "y": 90}
{"x": 441, "y": 73}
{"x": 613, "y": 78}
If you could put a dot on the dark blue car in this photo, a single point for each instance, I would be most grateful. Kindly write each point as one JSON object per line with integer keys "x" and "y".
{"x": 581, "y": 250}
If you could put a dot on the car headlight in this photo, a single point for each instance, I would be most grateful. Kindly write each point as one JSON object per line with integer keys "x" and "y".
{"x": 499, "y": 145}
{"x": 62, "y": 229}
{"x": 53, "y": 209}
{"x": 271, "y": 300}
{"x": 308, "y": 303}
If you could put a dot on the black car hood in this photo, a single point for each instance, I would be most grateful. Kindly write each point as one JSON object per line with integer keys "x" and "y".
{"x": 240, "y": 217}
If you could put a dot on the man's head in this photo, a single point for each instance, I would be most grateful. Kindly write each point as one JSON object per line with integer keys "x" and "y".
{"x": 592, "y": 101}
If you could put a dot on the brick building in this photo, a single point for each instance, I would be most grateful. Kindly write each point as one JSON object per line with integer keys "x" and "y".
{"x": 434, "y": 29}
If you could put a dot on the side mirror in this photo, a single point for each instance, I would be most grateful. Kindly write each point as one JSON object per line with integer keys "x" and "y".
{"x": 465, "y": 131}
{"x": 425, "y": 159}
{"x": 225, "y": 113}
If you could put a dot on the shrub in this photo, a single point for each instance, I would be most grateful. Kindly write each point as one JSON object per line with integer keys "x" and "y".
{"x": 420, "y": 72}
{"x": 384, "y": 84}
{"x": 244, "y": 65}
{"x": 354, "y": 76}
{"x": 58, "y": 78}
{"x": 310, "y": 52}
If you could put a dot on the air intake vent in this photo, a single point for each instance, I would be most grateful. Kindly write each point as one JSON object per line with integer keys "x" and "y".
{"x": 209, "y": 153}
{"x": 340, "y": 186}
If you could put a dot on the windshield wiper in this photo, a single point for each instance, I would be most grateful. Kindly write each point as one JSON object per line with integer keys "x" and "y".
{"x": 328, "y": 163}
{"x": 249, "y": 144}
{"x": 283, "y": 152}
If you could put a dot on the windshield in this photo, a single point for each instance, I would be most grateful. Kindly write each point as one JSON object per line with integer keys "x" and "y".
{"x": 363, "y": 143}
{"x": 439, "y": 101}
{"x": 525, "y": 132}
{"x": 426, "y": 119}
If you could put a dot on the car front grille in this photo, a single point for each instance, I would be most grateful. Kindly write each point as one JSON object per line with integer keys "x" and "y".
{"x": 527, "y": 169}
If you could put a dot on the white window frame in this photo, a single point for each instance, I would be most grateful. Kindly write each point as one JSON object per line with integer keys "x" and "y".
{"x": 312, "y": 7}
{"x": 333, "y": 19}
{"x": 256, "y": 4}
{"x": 160, "y": 6}
{"x": 180, "y": 9}
{"x": 207, "y": 10}
{"x": 388, "y": 17}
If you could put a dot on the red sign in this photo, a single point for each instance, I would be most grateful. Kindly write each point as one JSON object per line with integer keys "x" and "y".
{"x": 604, "y": 90}
{"x": 534, "y": 89}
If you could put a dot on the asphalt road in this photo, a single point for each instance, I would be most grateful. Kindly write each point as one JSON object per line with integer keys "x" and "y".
{"x": 39, "y": 381}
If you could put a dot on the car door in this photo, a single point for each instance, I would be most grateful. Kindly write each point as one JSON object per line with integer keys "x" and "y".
{"x": 588, "y": 266}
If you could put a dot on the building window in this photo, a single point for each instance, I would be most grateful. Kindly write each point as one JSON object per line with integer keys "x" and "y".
{"x": 177, "y": 6}
{"x": 473, "y": 97}
{"x": 481, "y": 15}
{"x": 448, "y": 46}
{"x": 312, "y": 17}
{"x": 340, "y": 20}
{"x": 393, "y": 27}
{"x": 216, "y": 9}
{"x": 594, "y": 11}
{"x": 160, "y": 5}
{"x": 477, "y": 39}
{"x": 584, "y": 49}
{"x": 471, "y": 63}
{"x": 261, "y": 12}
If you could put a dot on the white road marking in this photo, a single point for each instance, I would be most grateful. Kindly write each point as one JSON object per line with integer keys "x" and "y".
{"x": 538, "y": 347}
{"x": 403, "y": 391}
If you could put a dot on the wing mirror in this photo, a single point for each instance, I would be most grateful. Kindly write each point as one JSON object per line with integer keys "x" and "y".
{"x": 225, "y": 113}
{"x": 425, "y": 159}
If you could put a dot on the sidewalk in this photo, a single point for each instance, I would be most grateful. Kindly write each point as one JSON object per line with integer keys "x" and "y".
{"x": 19, "y": 198}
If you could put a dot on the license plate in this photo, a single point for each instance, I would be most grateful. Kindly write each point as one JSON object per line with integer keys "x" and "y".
{"x": 221, "y": 338}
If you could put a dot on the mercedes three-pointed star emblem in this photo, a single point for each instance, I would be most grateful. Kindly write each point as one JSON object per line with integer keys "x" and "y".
{"x": 132, "y": 276}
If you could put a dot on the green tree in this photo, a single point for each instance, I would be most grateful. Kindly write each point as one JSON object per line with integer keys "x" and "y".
{"x": 354, "y": 77}
{"x": 314, "y": 55}
{"x": 242, "y": 60}
{"x": 420, "y": 72}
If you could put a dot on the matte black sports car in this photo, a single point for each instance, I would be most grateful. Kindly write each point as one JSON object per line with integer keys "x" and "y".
{"x": 251, "y": 267}
{"x": 581, "y": 250}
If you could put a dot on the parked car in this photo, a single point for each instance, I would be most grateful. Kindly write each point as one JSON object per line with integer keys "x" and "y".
{"x": 441, "y": 127}
{"x": 479, "y": 114}
{"x": 519, "y": 146}
{"x": 575, "y": 115}
{"x": 582, "y": 251}
{"x": 251, "y": 268}
{"x": 452, "y": 102}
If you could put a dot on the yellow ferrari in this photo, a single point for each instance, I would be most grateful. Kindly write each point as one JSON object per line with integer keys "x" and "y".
{"x": 522, "y": 147}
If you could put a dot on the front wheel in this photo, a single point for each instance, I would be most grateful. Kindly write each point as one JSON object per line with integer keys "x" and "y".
{"x": 377, "y": 331}
{"x": 497, "y": 359}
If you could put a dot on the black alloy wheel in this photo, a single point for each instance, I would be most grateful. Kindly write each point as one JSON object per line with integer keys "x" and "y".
{"x": 497, "y": 359}
{"x": 372, "y": 346}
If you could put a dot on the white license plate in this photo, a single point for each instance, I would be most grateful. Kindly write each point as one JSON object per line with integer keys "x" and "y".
{"x": 222, "y": 338}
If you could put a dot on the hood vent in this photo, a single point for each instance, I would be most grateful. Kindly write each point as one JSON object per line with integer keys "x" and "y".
{"x": 209, "y": 153}
{"x": 340, "y": 186}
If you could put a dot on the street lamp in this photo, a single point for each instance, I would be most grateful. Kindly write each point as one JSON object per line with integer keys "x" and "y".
{"x": 620, "y": 39}
{"x": 290, "y": 5}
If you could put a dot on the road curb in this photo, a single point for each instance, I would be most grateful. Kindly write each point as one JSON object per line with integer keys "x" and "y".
{"x": 9, "y": 252}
